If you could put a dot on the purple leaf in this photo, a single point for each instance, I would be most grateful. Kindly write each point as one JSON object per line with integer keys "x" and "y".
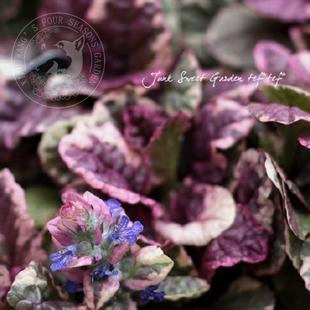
{"x": 133, "y": 33}
{"x": 289, "y": 105}
{"x": 208, "y": 166}
{"x": 276, "y": 254}
{"x": 140, "y": 124}
{"x": 101, "y": 156}
{"x": 252, "y": 188}
{"x": 291, "y": 11}
{"x": 304, "y": 140}
{"x": 99, "y": 292}
{"x": 221, "y": 124}
{"x": 275, "y": 112}
{"x": 21, "y": 243}
{"x": 198, "y": 214}
{"x": 244, "y": 241}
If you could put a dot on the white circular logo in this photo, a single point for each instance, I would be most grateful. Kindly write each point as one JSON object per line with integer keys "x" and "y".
{"x": 70, "y": 63}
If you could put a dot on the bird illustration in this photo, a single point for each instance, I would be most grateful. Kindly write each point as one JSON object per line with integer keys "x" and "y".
{"x": 74, "y": 50}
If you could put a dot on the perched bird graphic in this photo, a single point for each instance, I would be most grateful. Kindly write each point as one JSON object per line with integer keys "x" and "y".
{"x": 73, "y": 50}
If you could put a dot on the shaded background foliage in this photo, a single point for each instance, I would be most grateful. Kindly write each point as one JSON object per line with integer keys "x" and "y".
{"x": 216, "y": 171}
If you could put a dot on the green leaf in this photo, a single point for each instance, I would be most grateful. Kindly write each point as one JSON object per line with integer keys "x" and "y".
{"x": 293, "y": 247}
{"x": 295, "y": 206}
{"x": 183, "y": 287}
{"x": 185, "y": 92}
{"x": 247, "y": 294}
{"x": 289, "y": 96}
{"x": 183, "y": 263}
{"x": 34, "y": 286}
{"x": 234, "y": 32}
{"x": 305, "y": 258}
{"x": 43, "y": 202}
{"x": 165, "y": 148}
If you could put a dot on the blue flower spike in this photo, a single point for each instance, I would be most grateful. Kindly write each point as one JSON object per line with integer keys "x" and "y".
{"x": 150, "y": 294}
{"x": 115, "y": 207}
{"x": 61, "y": 258}
{"x": 102, "y": 270}
{"x": 121, "y": 232}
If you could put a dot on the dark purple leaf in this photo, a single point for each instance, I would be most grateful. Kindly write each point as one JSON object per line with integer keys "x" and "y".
{"x": 221, "y": 124}
{"x": 133, "y": 33}
{"x": 284, "y": 10}
{"x": 197, "y": 215}
{"x": 140, "y": 125}
{"x": 273, "y": 58}
{"x": 252, "y": 187}
{"x": 245, "y": 241}
{"x": 101, "y": 156}
{"x": 20, "y": 242}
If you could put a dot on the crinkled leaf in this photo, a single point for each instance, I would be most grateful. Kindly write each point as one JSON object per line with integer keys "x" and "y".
{"x": 20, "y": 242}
{"x": 43, "y": 203}
{"x": 165, "y": 147}
{"x": 274, "y": 112}
{"x": 140, "y": 124}
{"x": 48, "y": 147}
{"x": 185, "y": 92}
{"x": 289, "y": 96}
{"x": 291, "y": 11}
{"x": 234, "y": 32}
{"x": 244, "y": 241}
{"x": 32, "y": 287}
{"x": 176, "y": 288}
{"x": 102, "y": 157}
{"x": 198, "y": 214}
{"x": 151, "y": 266}
{"x": 222, "y": 123}
{"x": 99, "y": 292}
{"x": 273, "y": 58}
{"x": 254, "y": 194}
{"x": 247, "y": 294}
